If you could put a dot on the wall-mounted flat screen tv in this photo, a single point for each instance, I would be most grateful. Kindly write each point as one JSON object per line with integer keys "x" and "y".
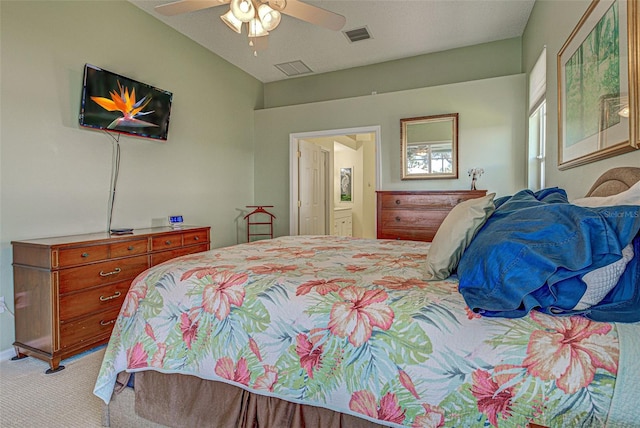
{"x": 112, "y": 102}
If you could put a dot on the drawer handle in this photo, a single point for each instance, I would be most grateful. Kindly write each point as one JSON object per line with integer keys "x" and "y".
{"x": 398, "y": 218}
{"x": 130, "y": 247}
{"x": 105, "y": 323}
{"x": 85, "y": 255}
{"x": 197, "y": 238}
{"x": 397, "y": 201}
{"x": 115, "y": 296}
{"x": 167, "y": 242}
{"x": 113, "y": 272}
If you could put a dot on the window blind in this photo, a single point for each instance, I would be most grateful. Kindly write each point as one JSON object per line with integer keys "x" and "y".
{"x": 538, "y": 81}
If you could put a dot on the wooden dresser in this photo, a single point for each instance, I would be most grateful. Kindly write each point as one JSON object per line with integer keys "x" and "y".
{"x": 68, "y": 290}
{"x": 417, "y": 215}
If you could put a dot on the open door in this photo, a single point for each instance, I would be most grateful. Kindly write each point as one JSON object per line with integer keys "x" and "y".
{"x": 303, "y": 179}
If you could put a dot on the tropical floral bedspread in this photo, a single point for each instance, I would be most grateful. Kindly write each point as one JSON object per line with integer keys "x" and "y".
{"x": 348, "y": 324}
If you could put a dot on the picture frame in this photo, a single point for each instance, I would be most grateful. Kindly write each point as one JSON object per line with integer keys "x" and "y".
{"x": 346, "y": 185}
{"x": 598, "y": 85}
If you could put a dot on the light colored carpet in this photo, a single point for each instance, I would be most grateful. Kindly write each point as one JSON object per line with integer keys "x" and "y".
{"x": 31, "y": 398}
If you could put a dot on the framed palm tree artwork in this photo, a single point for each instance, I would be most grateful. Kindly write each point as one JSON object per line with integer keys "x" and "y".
{"x": 598, "y": 85}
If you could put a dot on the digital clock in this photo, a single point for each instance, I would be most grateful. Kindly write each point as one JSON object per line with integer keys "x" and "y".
{"x": 175, "y": 221}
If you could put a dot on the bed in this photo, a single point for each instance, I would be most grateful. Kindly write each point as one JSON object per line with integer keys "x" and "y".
{"x": 344, "y": 332}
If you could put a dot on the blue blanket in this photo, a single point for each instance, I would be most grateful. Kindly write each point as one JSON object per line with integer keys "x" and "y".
{"x": 535, "y": 248}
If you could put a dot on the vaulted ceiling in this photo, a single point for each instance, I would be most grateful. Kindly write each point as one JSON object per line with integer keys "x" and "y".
{"x": 398, "y": 28}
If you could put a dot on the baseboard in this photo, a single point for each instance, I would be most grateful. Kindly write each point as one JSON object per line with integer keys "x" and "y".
{"x": 7, "y": 354}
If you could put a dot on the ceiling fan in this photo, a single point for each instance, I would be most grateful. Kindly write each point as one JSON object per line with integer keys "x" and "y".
{"x": 261, "y": 16}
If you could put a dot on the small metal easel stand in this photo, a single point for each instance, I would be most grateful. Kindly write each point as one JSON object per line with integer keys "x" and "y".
{"x": 258, "y": 222}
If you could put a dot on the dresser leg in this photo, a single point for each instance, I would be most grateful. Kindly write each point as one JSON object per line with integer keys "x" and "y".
{"x": 55, "y": 366}
{"x": 19, "y": 355}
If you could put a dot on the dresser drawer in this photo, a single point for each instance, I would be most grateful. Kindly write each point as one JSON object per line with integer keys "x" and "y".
{"x": 445, "y": 201}
{"x": 398, "y": 218}
{"x": 82, "y": 255}
{"x": 163, "y": 256}
{"x": 129, "y": 248}
{"x": 88, "y": 329}
{"x": 97, "y": 299}
{"x": 82, "y": 277}
{"x": 192, "y": 238}
{"x": 195, "y": 249}
{"x": 165, "y": 242}
{"x": 416, "y": 234}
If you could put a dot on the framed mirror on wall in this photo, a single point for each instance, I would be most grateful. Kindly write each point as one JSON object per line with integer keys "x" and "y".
{"x": 429, "y": 146}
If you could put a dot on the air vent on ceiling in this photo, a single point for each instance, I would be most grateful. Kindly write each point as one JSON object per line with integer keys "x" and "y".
{"x": 358, "y": 34}
{"x": 294, "y": 68}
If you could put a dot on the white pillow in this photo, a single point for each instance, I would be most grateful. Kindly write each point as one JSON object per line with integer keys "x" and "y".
{"x": 630, "y": 196}
{"x": 454, "y": 235}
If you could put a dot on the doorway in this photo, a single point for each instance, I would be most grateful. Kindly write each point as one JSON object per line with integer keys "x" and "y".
{"x": 356, "y": 150}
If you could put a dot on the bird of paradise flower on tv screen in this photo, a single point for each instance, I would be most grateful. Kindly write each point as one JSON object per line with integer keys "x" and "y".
{"x": 126, "y": 104}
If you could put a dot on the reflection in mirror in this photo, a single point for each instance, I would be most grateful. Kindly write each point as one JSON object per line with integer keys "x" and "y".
{"x": 429, "y": 146}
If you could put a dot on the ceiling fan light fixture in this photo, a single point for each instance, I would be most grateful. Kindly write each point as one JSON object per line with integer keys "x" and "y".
{"x": 256, "y": 29}
{"x": 261, "y": 16}
{"x": 232, "y": 22}
{"x": 243, "y": 10}
{"x": 269, "y": 18}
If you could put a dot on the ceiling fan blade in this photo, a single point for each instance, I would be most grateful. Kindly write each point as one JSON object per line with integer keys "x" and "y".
{"x": 184, "y": 6}
{"x": 312, "y": 14}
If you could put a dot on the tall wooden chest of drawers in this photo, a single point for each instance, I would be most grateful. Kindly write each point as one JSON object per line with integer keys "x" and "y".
{"x": 417, "y": 215}
{"x": 68, "y": 290}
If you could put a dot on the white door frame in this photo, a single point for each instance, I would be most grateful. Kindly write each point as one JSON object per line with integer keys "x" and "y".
{"x": 293, "y": 163}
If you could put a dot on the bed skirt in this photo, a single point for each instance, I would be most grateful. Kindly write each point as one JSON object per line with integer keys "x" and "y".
{"x": 177, "y": 400}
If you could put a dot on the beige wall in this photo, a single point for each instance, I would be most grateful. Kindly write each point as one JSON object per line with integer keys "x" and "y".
{"x": 54, "y": 176}
{"x": 491, "y": 135}
{"x": 550, "y": 24}
{"x": 369, "y": 202}
{"x": 347, "y": 157}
